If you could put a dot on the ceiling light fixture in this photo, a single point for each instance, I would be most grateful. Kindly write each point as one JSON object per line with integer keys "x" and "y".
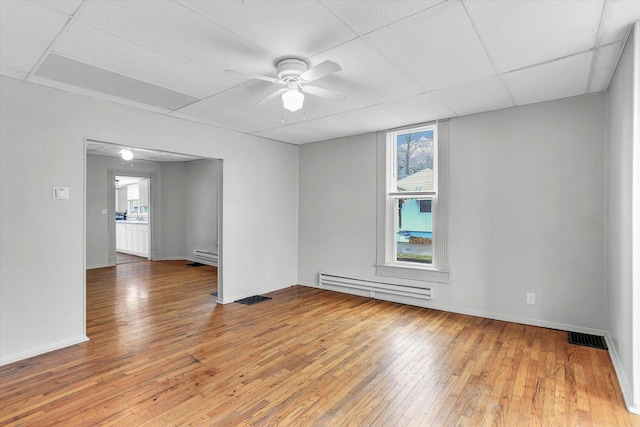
{"x": 126, "y": 154}
{"x": 292, "y": 98}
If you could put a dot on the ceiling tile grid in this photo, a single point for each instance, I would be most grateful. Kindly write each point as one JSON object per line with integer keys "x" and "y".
{"x": 403, "y": 62}
{"x": 437, "y": 48}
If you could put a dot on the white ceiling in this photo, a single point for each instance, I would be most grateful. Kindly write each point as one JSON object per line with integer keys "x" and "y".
{"x": 403, "y": 62}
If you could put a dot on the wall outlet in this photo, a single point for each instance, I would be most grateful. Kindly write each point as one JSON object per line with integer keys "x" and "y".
{"x": 531, "y": 298}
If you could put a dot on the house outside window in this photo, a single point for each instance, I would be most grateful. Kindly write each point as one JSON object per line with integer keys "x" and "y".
{"x": 412, "y": 234}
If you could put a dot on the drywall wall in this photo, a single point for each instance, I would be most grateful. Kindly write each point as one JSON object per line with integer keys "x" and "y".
{"x": 201, "y": 221}
{"x": 526, "y": 213}
{"x": 172, "y": 208}
{"x": 42, "y": 247}
{"x": 620, "y": 110}
{"x": 97, "y": 232}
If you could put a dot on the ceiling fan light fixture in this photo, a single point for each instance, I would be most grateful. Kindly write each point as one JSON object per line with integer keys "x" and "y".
{"x": 292, "y": 99}
{"x": 126, "y": 154}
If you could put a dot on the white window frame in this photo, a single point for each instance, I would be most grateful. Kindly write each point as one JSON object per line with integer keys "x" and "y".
{"x": 387, "y": 265}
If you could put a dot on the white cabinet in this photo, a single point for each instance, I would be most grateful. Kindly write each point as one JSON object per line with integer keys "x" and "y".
{"x": 143, "y": 192}
{"x": 133, "y": 192}
{"x": 120, "y": 236}
{"x": 132, "y": 238}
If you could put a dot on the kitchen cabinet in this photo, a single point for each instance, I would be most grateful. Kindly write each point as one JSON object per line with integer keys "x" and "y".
{"x": 132, "y": 238}
{"x": 133, "y": 192}
{"x": 143, "y": 192}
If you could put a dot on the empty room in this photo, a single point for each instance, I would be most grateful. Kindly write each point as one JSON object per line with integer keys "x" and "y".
{"x": 351, "y": 212}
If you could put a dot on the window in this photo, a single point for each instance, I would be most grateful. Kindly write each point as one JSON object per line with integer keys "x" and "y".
{"x": 412, "y": 187}
{"x": 425, "y": 206}
{"x": 412, "y": 231}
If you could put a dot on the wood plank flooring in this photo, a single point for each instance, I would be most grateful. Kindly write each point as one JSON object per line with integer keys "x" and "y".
{"x": 162, "y": 352}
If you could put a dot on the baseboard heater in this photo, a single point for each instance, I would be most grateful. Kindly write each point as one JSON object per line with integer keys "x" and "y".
{"x": 332, "y": 280}
{"x": 206, "y": 256}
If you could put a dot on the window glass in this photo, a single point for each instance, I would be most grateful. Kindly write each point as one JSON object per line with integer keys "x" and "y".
{"x": 414, "y": 232}
{"x": 414, "y": 153}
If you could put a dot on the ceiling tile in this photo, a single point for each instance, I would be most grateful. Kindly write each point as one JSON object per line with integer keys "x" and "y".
{"x": 68, "y": 7}
{"x": 364, "y": 120}
{"x": 30, "y": 24}
{"x": 179, "y": 31}
{"x": 559, "y": 79}
{"x": 284, "y": 28}
{"x": 351, "y": 123}
{"x": 294, "y": 134}
{"x": 616, "y": 19}
{"x": 365, "y": 75}
{"x": 603, "y": 67}
{"x": 76, "y": 73}
{"x": 369, "y": 16}
{"x": 18, "y": 56}
{"x": 437, "y": 48}
{"x": 237, "y": 109}
{"x": 101, "y": 49}
{"x": 417, "y": 109}
{"x": 522, "y": 33}
{"x": 481, "y": 95}
{"x": 12, "y": 72}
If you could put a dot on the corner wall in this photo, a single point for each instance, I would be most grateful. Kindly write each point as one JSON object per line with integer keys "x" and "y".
{"x": 526, "y": 213}
{"x": 623, "y": 300}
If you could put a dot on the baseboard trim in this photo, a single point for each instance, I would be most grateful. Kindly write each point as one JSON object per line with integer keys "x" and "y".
{"x": 91, "y": 267}
{"x": 41, "y": 350}
{"x": 625, "y": 385}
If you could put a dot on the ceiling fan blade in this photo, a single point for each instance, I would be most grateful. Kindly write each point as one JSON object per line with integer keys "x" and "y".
{"x": 321, "y": 70}
{"x": 255, "y": 76}
{"x": 272, "y": 95}
{"x": 324, "y": 93}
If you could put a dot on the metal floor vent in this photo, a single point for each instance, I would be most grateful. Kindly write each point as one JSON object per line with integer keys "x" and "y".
{"x": 594, "y": 341}
{"x": 252, "y": 300}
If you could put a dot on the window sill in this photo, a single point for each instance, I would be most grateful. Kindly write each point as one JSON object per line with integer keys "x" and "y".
{"x": 412, "y": 273}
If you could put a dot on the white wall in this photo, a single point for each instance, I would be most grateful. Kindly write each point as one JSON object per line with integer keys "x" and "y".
{"x": 620, "y": 110}
{"x": 172, "y": 208}
{"x": 201, "y": 220}
{"x": 526, "y": 213}
{"x": 42, "y": 135}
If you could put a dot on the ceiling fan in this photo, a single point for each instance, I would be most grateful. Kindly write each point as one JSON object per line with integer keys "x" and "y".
{"x": 295, "y": 74}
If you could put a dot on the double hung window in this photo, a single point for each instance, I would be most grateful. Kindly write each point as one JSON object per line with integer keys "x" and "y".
{"x": 412, "y": 189}
{"x": 414, "y": 235}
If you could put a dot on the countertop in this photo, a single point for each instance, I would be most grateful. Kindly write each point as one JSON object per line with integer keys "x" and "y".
{"x": 131, "y": 221}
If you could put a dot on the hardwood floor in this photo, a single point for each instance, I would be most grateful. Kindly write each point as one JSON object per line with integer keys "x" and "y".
{"x": 162, "y": 352}
{"x": 122, "y": 258}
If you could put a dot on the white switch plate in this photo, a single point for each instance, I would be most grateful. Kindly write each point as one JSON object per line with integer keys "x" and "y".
{"x": 104, "y": 211}
{"x": 531, "y": 298}
{"x": 60, "y": 192}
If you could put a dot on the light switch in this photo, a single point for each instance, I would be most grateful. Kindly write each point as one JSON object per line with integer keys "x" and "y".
{"x": 60, "y": 192}
{"x": 104, "y": 211}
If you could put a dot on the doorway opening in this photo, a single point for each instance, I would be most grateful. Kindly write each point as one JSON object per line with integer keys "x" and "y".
{"x": 181, "y": 207}
{"x": 133, "y": 232}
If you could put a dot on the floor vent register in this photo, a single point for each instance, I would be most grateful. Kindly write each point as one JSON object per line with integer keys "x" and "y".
{"x": 594, "y": 341}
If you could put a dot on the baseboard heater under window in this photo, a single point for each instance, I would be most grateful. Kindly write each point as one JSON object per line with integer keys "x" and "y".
{"x": 211, "y": 257}
{"x": 332, "y": 280}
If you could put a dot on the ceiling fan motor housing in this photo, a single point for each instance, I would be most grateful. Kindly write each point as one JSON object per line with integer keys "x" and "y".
{"x": 290, "y": 68}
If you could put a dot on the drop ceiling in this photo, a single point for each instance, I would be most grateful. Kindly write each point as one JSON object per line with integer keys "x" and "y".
{"x": 403, "y": 62}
